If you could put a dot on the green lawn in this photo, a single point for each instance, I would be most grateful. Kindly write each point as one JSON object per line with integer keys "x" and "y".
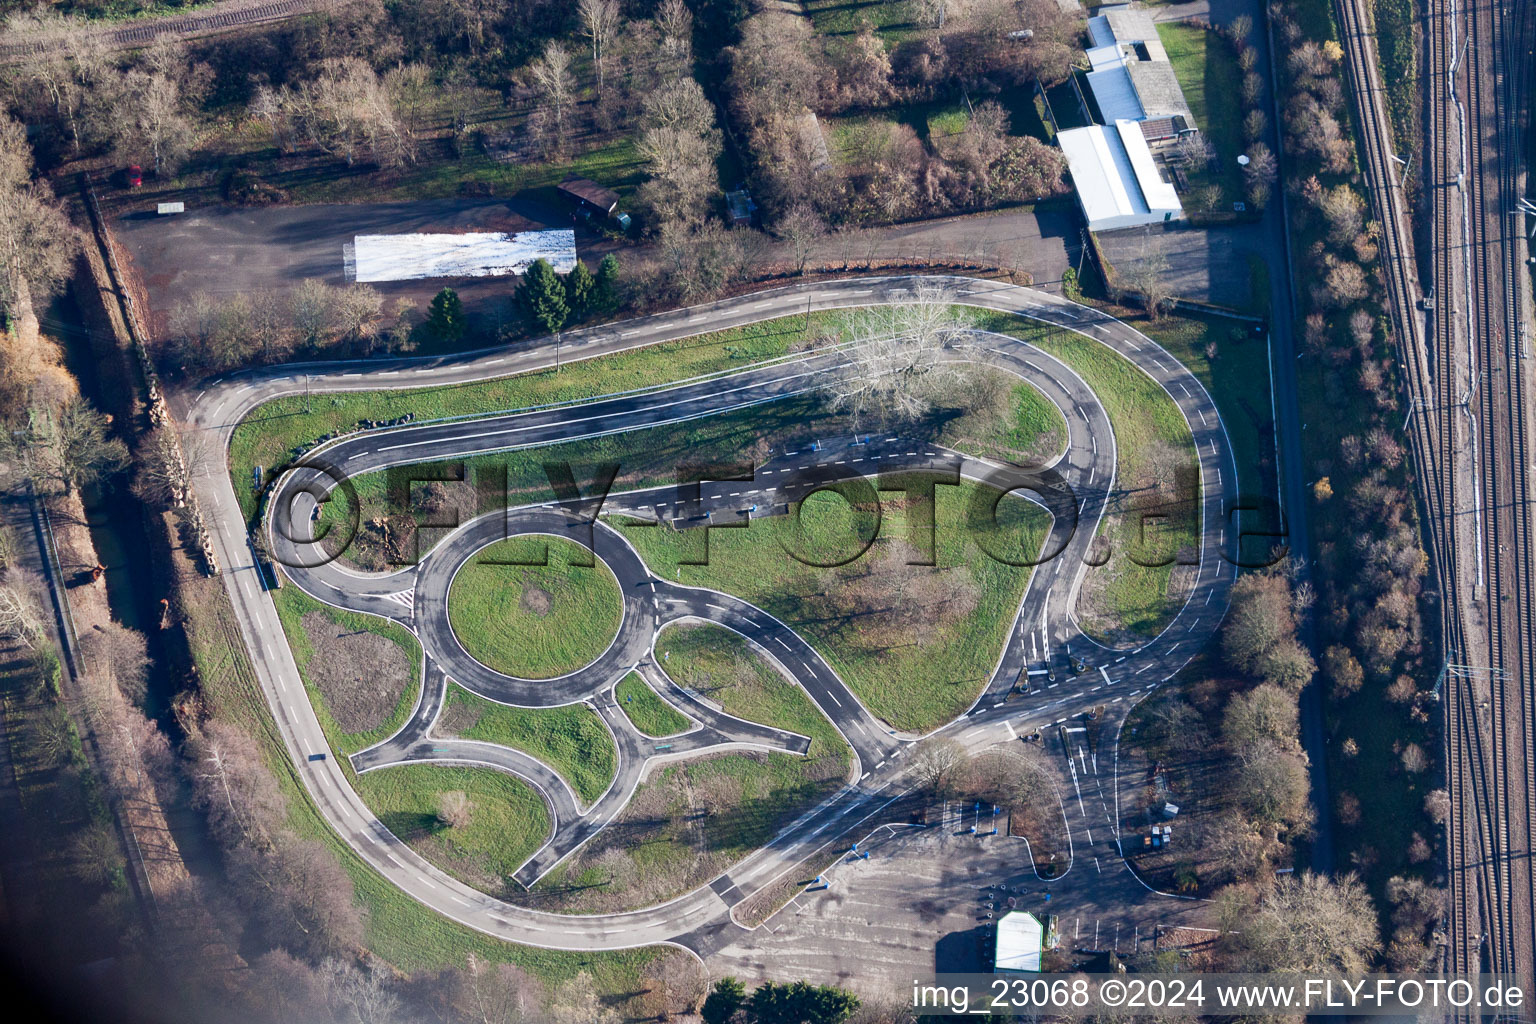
{"x": 535, "y": 621}
{"x": 278, "y": 431}
{"x": 721, "y": 665}
{"x": 292, "y": 605}
{"x": 508, "y": 820}
{"x": 892, "y": 20}
{"x": 916, "y": 643}
{"x": 571, "y": 739}
{"x": 687, "y": 822}
{"x": 1207, "y": 70}
{"x": 649, "y": 713}
{"x": 1126, "y": 599}
{"x": 1238, "y": 379}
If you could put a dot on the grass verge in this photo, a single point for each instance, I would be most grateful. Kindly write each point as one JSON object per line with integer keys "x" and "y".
{"x": 571, "y": 739}
{"x": 277, "y": 431}
{"x": 535, "y": 621}
{"x": 503, "y": 823}
{"x": 723, "y": 666}
{"x": 293, "y": 606}
{"x": 649, "y": 713}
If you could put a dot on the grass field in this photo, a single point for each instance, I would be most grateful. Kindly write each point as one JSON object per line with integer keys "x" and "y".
{"x": 916, "y": 643}
{"x": 722, "y": 666}
{"x": 571, "y": 739}
{"x": 689, "y": 821}
{"x": 507, "y": 819}
{"x": 649, "y": 713}
{"x": 892, "y": 20}
{"x": 293, "y": 605}
{"x": 1237, "y": 378}
{"x": 1207, "y": 70}
{"x": 535, "y": 621}
{"x": 1125, "y": 599}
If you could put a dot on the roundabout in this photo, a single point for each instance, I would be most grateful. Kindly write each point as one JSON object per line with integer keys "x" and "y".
{"x": 1040, "y": 633}
{"x": 534, "y": 607}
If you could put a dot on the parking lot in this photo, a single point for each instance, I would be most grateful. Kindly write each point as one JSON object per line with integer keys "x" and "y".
{"x": 227, "y": 250}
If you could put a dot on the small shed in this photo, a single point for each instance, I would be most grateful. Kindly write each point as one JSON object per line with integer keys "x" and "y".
{"x": 1020, "y": 939}
{"x": 589, "y": 195}
{"x": 739, "y": 208}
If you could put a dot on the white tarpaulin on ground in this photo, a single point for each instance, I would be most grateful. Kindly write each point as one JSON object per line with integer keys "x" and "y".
{"x": 484, "y": 254}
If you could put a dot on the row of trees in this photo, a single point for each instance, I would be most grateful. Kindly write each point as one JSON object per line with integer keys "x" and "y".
{"x": 552, "y": 302}
{"x": 208, "y": 334}
{"x": 1370, "y": 564}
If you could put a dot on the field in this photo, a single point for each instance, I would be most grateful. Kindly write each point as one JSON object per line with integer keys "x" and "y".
{"x": 571, "y": 739}
{"x": 363, "y": 673}
{"x": 649, "y": 713}
{"x": 506, "y": 820}
{"x": 916, "y": 643}
{"x": 722, "y": 666}
{"x": 1125, "y": 600}
{"x": 535, "y": 621}
{"x": 689, "y": 821}
{"x": 1207, "y": 70}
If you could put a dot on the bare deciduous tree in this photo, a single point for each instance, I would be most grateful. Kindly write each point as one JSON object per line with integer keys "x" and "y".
{"x": 937, "y": 766}
{"x": 599, "y": 21}
{"x": 897, "y": 351}
{"x": 1303, "y": 922}
{"x": 20, "y": 620}
{"x": 556, "y": 85}
{"x": 453, "y": 808}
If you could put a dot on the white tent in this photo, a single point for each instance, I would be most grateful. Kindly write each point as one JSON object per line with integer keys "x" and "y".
{"x": 1020, "y": 937}
{"x": 484, "y": 254}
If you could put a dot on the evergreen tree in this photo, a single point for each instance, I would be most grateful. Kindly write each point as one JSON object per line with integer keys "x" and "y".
{"x": 607, "y": 291}
{"x": 542, "y": 296}
{"x": 801, "y": 1003}
{"x": 579, "y": 288}
{"x": 728, "y": 996}
{"x": 445, "y": 316}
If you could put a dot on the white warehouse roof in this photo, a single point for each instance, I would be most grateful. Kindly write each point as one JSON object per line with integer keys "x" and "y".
{"x": 1116, "y": 179}
{"x": 1019, "y": 941}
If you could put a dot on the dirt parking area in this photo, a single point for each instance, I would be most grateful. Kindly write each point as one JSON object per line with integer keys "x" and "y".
{"x": 361, "y": 675}
{"x": 226, "y": 250}
{"x": 920, "y": 904}
{"x": 1206, "y": 264}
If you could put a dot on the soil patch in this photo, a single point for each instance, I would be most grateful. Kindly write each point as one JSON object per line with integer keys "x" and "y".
{"x": 361, "y": 675}
{"x": 535, "y": 601}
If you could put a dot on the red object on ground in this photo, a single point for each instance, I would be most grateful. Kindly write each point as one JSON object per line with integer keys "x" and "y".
{"x": 135, "y": 176}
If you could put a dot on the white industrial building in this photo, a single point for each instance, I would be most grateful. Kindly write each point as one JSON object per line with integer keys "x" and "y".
{"x": 1020, "y": 940}
{"x": 1132, "y": 78}
{"x": 1132, "y": 83}
{"x": 1117, "y": 181}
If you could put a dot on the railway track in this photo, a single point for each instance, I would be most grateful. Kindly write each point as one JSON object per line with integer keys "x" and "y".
{"x": 1464, "y": 372}
{"x": 143, "y": 32}
{"x": 1490, "y": 723}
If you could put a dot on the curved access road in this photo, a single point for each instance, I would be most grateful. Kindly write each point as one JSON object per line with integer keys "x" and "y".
{"x": 701, "y": 919}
